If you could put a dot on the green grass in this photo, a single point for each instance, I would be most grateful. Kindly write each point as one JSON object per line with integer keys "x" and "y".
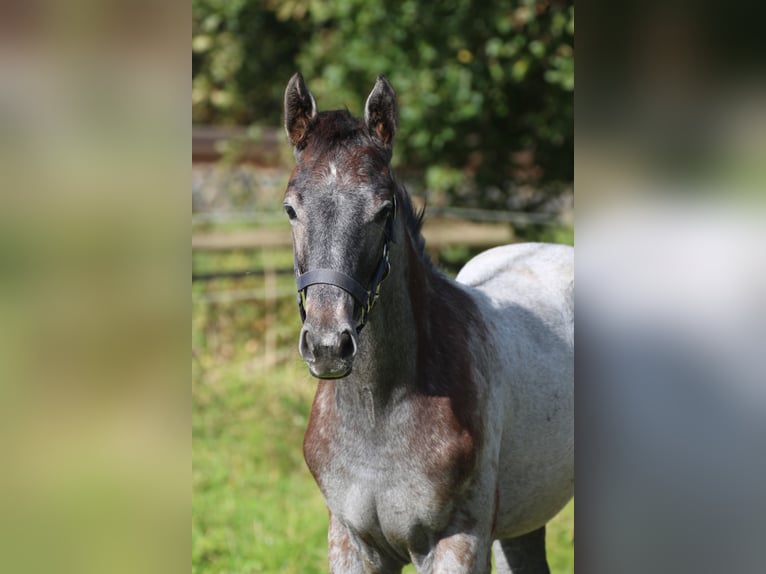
{"x": 255, "y": 505}
{"x": 560, "y": 541}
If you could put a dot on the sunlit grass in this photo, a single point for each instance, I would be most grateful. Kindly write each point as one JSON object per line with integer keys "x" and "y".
{"x": 255, "y": 505}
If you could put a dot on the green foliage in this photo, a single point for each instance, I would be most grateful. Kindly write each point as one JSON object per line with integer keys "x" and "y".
{"x": 547, "y": 233}
{"x": 242, "y": 57}
{"x": 486, "y": 88}
{"x": 478, "y": 82}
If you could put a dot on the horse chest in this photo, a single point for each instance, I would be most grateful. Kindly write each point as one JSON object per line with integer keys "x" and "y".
{"x": 399, "y": 484}
{"x": 395, "y": 500}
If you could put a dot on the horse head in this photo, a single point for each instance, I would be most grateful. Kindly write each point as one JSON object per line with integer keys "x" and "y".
{"x": 341, "y": 202}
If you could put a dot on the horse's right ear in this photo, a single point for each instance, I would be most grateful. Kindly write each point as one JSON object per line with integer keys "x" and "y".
{"x": 300, "y": 111}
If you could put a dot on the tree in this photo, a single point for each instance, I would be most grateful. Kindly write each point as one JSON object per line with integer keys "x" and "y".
{"x": 485, "y": 88}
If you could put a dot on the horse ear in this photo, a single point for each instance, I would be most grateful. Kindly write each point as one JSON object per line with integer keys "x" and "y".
{"x": 381, "y": 113}
{"x": 300, "y": 110}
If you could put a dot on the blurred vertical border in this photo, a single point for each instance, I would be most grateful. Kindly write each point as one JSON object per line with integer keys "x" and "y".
{"x": 94, "y": 264}
{"x": 670, "y": 167}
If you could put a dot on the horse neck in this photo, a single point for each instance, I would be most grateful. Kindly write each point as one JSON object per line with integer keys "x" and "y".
{"x": 386, "y": 366}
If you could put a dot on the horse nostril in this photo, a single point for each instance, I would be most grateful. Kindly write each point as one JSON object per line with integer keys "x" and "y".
{"x": 305, "y": 346}
{"x": 347, "y": 345}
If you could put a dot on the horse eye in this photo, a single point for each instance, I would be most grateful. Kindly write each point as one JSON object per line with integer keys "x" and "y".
{"x": 383, "y": 214}
{"x": 290, "y": 212}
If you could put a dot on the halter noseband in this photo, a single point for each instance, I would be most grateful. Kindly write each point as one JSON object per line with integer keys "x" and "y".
{"x": 366, "y": 297}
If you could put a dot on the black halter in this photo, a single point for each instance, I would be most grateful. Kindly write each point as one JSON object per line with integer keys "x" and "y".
{"x": 366, "y": 297}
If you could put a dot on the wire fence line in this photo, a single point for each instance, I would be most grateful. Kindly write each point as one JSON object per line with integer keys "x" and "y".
{"x": 237, "y": 273}
{"x": 266, "y": 230}
{"x": 257, "y": 294}
{"x": 237, "y": 295}
{"x": 494, "y": 215}
{"x": 462, "y": 213}
{"x": 445, "y": 227}
{"x": 439, "y": 231}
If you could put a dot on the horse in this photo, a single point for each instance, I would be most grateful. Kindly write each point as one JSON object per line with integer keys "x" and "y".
{"x": 441, "y": 431}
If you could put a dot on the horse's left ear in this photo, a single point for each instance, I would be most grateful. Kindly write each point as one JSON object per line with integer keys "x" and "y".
{"x": 381, "y": 113}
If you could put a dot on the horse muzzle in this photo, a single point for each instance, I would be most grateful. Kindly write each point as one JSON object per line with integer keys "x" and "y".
{"x": 329, "y": 353}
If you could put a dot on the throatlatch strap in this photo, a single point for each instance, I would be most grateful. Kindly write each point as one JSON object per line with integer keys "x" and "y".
{"x": 330, "y": 277}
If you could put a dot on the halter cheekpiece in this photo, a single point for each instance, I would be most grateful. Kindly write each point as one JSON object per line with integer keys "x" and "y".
{"x": 366, "y": 297}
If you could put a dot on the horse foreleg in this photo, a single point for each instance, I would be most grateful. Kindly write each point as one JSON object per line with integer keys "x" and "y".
{"x": 347, "y": 555}
{"x": 460, "y": 553}
{"x": 522, "y": 555}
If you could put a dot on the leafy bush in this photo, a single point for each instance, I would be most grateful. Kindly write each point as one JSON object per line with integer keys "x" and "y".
{"x": 485, "y": 88}
{"x": 242, "y": 57}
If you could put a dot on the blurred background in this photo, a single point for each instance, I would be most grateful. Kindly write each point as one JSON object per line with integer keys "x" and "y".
{"x": 96, "y": 148}
{"x": 671, "y": 266}
{"x": 485, "y": 94}
{"x": 94, "y": 202}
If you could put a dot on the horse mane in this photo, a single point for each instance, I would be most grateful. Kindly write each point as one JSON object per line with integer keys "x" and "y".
{"x": 413, "y": 222}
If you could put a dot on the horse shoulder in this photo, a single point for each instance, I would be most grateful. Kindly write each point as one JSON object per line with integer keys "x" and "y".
{"x": 448, "y": 409}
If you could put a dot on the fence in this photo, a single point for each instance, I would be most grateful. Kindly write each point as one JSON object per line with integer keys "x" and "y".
{"x": 444, "y": 227}
{"x": 235, "y": 200}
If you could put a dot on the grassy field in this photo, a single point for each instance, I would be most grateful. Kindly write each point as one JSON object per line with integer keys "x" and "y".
{"x": 255, "y": 506}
